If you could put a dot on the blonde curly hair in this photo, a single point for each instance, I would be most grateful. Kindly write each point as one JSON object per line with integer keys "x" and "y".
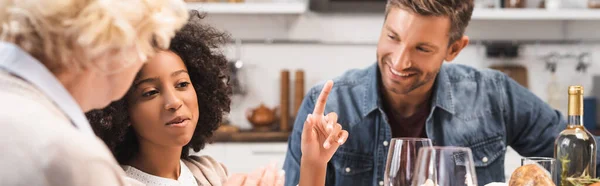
{"x": 75, "y": 33}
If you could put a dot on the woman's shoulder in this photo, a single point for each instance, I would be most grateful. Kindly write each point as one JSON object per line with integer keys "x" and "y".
{"x": 206, "y": 169}
{"x": 28, "y": 98}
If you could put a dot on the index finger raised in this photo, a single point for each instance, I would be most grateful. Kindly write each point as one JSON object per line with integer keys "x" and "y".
{"x": 322, "y": 100}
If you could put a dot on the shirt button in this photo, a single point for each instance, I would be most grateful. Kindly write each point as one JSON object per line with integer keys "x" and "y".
{"x": 385, "y": 143}
{"x": 348, "y": 169}
{"x": 485, "y": 159}
{"x": 381, "y": 183}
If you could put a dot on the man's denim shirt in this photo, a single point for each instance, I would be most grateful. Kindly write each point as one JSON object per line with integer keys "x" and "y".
{"x": 484, "y": 110}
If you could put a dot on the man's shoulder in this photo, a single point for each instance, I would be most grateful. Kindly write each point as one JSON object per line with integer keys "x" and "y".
{"x": 474, "y": 90}
{"x": 463, "y": 73}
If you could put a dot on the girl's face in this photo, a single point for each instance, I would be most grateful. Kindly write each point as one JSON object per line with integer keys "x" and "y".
{"x": 163, "y": 106}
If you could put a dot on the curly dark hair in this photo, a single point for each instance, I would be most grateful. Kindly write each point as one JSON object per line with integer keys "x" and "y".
{"x": 197, "y": 44}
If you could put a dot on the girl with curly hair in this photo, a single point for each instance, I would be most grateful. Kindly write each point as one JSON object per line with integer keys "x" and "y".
{"x": 175, "y": 104}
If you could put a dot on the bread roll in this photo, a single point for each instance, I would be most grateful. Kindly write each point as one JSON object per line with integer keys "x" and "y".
{"x": 530, "y": 175}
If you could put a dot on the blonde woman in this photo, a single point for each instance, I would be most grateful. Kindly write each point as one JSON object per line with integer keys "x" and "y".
{"x": 58, "y": 59}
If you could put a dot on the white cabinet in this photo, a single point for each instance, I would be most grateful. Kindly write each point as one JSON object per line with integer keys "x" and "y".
{"x": 246, "y": 157}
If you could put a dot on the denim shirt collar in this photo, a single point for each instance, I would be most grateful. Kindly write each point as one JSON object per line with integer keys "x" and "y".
{"x": 442, "y": 93}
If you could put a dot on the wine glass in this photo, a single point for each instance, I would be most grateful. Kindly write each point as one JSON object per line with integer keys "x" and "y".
{"x": 401, "y": 160}
{"x": 445, "y": 166}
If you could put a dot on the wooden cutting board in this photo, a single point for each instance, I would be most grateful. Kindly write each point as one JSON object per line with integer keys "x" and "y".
{"x": 516, "y": 72}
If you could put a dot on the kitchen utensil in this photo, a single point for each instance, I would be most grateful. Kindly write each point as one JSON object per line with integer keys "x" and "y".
{"x": 553, "y": 87}
{"x": 298, "y": 91}
{"x": 284, "y": 123}
{"x": 236, "y": 72}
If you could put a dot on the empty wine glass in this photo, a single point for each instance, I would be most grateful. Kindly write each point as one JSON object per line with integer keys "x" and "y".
{"x": 445, "y": 166}
{"x": 401, "y": 160}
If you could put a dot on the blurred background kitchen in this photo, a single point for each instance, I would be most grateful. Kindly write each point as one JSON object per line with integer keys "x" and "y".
{"x": 281, "y": 48}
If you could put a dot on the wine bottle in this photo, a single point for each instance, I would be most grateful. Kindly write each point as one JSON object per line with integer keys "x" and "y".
{"x": 575, "y": 147}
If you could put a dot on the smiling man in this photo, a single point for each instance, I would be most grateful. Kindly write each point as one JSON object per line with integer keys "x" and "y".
{"x": 411, "y": 92}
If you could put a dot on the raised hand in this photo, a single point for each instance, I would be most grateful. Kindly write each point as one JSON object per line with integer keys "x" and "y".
{"x": 321, "y": 137}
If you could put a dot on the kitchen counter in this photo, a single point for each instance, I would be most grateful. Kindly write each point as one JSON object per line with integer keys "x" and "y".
{"x": 273, "y": 136}
{"x": 251, "y": 136}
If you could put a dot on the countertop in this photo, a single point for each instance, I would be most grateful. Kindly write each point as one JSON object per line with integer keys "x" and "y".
{"x": 251, "y": 136}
